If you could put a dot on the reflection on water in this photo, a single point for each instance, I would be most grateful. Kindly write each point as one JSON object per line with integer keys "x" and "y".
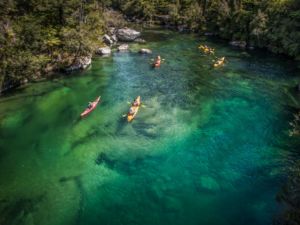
{"x": 209, "y": 147}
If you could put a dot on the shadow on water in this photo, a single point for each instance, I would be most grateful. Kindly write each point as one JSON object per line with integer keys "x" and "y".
{"x": 121, "y": 124}
{"x": 17, "y": 212}
{"x": 92, "y": 133}
{"x": 128, "y": 167}
{"x": 79, "y": 185}
{"x": 144, "y": 129}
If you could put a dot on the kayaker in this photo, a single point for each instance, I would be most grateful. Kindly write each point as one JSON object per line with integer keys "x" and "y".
{"x": 135, "y": 103}
{"x": 132, "y": 110}
{"x": 90, "y": 105}
{"x": 158, "y": 58}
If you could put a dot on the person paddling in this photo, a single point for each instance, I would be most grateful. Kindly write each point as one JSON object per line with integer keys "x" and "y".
{"x": 135, "y": 103}
{"x": 157, "y": 61}
{"x": 134, "y": 109}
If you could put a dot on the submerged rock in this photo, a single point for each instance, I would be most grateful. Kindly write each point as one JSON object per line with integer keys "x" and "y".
{"x": 207, "y": 183}
{"x": 102, "y": 158}
{"x": 123, "y": 47}
{"x": 127, "y": 34}
{"x": 240, "y": 44}
{"x": 103, "y": 51}
{"x": 80, "y": 63}
{"x": 145, "y": 51}
{"x": 140, "y": 40}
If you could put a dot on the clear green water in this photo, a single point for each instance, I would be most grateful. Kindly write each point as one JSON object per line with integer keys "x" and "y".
{"x": 210, "y": 147}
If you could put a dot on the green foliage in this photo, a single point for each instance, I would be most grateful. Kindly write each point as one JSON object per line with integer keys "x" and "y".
{"x": 265, "y": 23}
{"x": 37, "y": 35}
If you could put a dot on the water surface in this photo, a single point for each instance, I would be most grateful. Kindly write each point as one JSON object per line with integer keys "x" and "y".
{"x": 210, "y": 146}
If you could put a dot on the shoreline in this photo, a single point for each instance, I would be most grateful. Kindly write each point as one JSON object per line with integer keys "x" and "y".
{"x": 49, "y": 75}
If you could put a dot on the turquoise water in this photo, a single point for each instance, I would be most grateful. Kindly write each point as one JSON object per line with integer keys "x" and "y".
{"x": 211, "y": 146}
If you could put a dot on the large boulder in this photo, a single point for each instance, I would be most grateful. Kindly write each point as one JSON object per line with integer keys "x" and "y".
{"x": 145, "y": 51}
{"x": 239, "y": 44}
{"x": 80, "y": 64}
{"x": 114, "y": 38}
{"x": 123, "y": 47}
{"x": 127, "y": 34}
{"x": 103, "y": 51}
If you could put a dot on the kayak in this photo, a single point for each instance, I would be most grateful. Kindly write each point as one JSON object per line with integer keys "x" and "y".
{"x": 90, "y": 109}
{"x": 205, "y": 49}
{"x": 220, "y": 62}
{"x": 135, "y": 108}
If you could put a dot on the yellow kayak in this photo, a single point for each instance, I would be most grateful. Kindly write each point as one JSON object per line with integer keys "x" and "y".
{"x": 220, "y": 62}
{"x": 134, "y": 108}
{"x": 205, "y": 49}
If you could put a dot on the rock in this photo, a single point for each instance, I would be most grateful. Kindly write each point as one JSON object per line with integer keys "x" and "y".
{"x": 103, "y": 51}
{"x": 245, "y": 54}
{"x": 140, "y": 40}
{"x": 251, "y": 47}
{"x": 114, "y": 38}
{"x": 126, "y": 34}
{"x": 107, "y": 40}
{"x": 209, "y": 34}
{"x": 84, "y": 62}
{"x": 181, "y": 28}
{"x": 145, "y": 51}
{"x": 24, "y": 81}
{"x": 80, "y": 63}
{"x": 240, "y": 44}
{"x": 112, "y": 30}
{"x": 123, "y": 47}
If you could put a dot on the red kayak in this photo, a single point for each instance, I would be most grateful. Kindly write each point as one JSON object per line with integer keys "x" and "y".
{"x": 91, "y": 107}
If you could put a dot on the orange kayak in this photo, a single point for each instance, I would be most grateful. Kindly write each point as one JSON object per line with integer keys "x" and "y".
{"x": 130, "y": 117}
{"x": 91, "y": 108}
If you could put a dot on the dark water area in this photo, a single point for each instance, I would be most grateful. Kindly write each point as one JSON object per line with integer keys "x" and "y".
{"x": 210, "y": 146}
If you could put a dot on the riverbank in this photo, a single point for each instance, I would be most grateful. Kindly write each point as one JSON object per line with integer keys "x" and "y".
{"x": 37, "y": 42}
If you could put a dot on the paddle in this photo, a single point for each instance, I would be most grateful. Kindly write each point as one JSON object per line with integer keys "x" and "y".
{"x": 161, "y": 59}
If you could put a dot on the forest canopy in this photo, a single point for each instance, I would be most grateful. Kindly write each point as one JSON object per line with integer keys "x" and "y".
{"x": 39, "y": 36}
